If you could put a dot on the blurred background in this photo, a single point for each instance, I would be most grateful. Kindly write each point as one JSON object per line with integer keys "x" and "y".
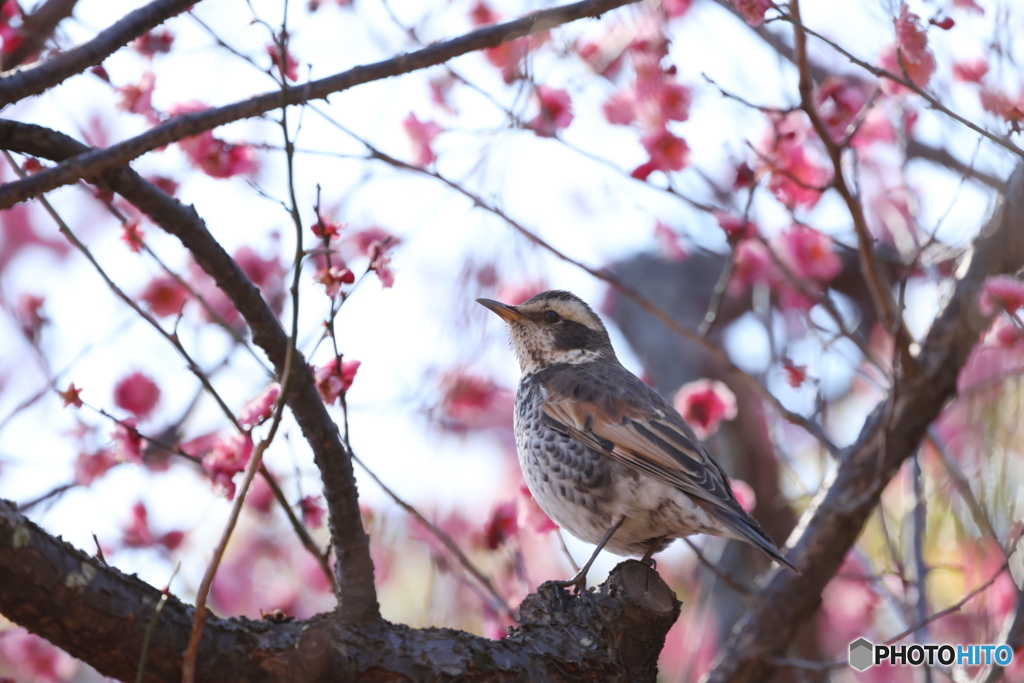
{"x": 662, "y": 144}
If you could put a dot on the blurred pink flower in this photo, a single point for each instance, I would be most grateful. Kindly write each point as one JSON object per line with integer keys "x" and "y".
{"x": 290, "y": 65}
{"x": 153, "y": 42}
{"x": 470, "y": 401}
{"x": 704, "y": 404}
{"x": 909, "y": 55}
{"x": 334, "y": 277}
{"x": 529, "y": 515}
{"x": 370, "y": 239}
{"x": 752, "y": 10}
{"x": 621, "y": 108}
{"x": 91, "y": 466}
{"x": 752, "y": 264}
{"x": 507, "y": 57}
{"x": 259, "y": 409}
{"x": 260, "y": 496}
{"x": 26, "y": 311}
{"x": 128, "y": 443}
{"x": 71, "y": 396}
{"x": 137, "y": 394}
{"x": 327, "y": 229}
{"x": 132, "y": 235}
{"x": 669, "y": 243}
{"x": 137, "y": 99}
{"x": 970, "y": 70}
{"x": 796, "y": 177}
{"x": 313, "y": 511}
{"x": 1001, "y": 293}
{"x": 555, "y": 111}
{"x": 667, "y": 153}
{"x": 139, "y": 535}
{"x": 334, "y": 378}
{"x": 736, "y": 228}
{"x": 745, "y": 495}
{"x": 500, "y": 526}
{"x": 481, "y": 14}
{"x": 34, "y": 659}
{"x": 421, "y": 134}
{"x": 229, "y": 456}
{"x": 838, "y": 102}
{"x": 807, "y": 253}
{"x": 165, "y": 295}
{"x": 213, "y": 156}
{"x": 796, "y": 375}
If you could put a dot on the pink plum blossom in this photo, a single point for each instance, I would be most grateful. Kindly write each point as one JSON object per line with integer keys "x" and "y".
{"x": 704, "y": 404}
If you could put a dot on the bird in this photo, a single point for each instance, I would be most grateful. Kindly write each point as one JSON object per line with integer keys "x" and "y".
{"x": 603, "y": 454}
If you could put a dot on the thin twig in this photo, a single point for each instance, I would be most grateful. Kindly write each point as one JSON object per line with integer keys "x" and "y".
{"x": 191, "y": 652}
{"x": 726, "y": 579}
{"x": 164, "y": 594}
{"x": 919, "y": 516}
{"x": 874, "y": 277}
{"x": 56, "y": 491}
{"x": 499, "y": 602}
{"x": 960, "y": 483}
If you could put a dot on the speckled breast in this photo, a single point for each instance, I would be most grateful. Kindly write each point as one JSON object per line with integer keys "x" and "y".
{"x": 570, "y": 482}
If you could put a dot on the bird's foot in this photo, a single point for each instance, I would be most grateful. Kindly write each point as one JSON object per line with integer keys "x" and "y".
{"x": 656, "y": 545}
{"x": 578, "y": 583}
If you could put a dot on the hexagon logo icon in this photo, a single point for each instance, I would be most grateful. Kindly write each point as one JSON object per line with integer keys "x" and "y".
{"x": 861, "y": 654}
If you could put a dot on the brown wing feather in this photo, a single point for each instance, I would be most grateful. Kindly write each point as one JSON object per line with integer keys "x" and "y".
{"x": 613, "y": 412}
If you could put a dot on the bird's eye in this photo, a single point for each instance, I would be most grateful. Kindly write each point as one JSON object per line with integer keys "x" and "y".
{"x": 550, "y": 317}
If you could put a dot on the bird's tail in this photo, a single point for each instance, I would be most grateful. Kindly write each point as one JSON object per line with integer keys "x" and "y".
{"x": 750, "y": 531}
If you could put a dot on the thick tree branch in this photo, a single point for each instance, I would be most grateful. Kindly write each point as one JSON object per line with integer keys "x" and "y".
{"x": 35, "y": 78}
{"x": 892, "y": 433}
{"x": 89, "y": 164}
{"x": 354, "y": 569}
{"x": 100, "y": 615}
{"x": 37, "y": 29}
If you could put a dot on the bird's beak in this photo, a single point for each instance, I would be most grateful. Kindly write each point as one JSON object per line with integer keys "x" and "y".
{"x": 507, "y": 313}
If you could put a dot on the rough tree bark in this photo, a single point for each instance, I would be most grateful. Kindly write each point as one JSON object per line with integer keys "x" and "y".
{"x": 98, "y": 614}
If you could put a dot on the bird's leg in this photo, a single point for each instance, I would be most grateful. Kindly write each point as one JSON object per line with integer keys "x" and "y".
{"x": 580, "y": 580}
{"x": 647, "y": 559}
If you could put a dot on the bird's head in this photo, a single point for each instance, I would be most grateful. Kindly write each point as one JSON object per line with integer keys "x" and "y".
{"x": 553, "y": 327}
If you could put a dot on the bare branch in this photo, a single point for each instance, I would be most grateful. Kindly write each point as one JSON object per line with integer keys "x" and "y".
{"x": 90, "y": 164}
{"x": 891, "y": 434}
{"x": 35, "y": 78}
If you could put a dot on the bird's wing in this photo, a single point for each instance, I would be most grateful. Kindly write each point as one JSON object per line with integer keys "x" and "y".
{"x": 621, "y": 416}
{"x": 610, "y": 410}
